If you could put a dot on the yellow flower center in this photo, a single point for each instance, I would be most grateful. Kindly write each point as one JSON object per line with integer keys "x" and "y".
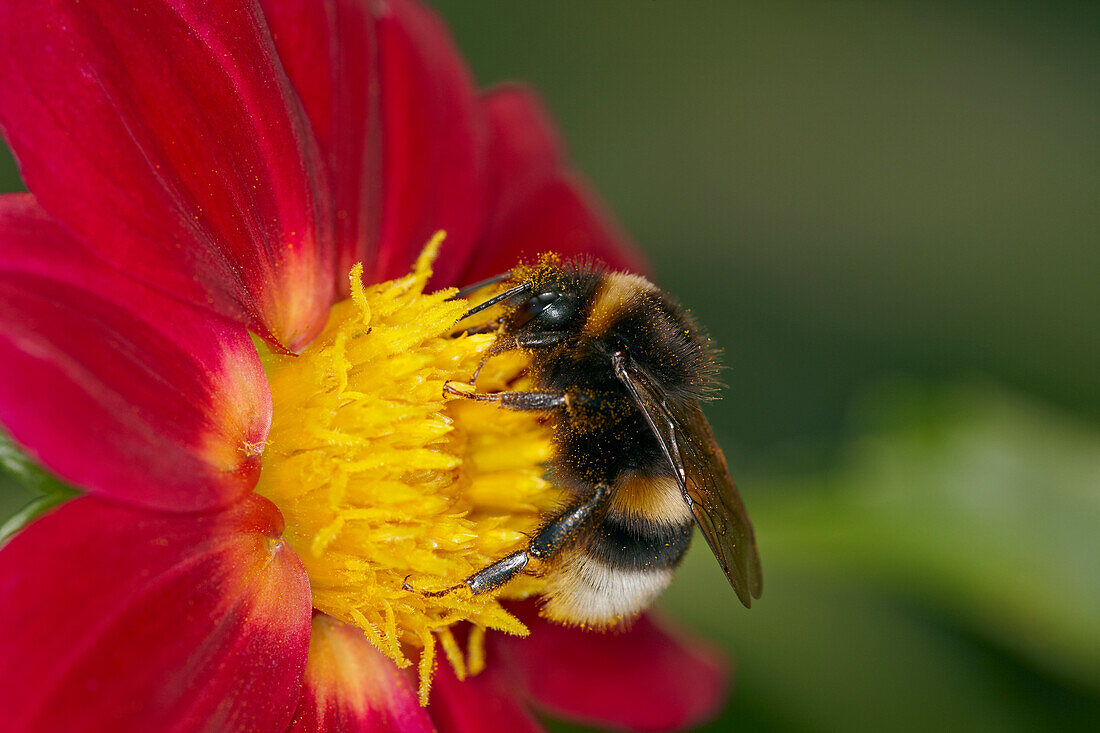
{"x": 380, "y": 476}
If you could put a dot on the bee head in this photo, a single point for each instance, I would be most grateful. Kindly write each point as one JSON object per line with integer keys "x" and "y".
{"x": 546, "y": 296}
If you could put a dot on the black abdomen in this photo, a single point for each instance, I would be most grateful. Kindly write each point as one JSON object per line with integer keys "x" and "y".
{"x": 634, "y": 545}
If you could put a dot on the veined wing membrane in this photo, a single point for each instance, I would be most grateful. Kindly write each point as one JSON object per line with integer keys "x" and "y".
{"x": 700, "y": 468}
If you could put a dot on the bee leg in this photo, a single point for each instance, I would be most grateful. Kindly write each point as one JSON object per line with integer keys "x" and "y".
{"x": 519, "y": 341}
{"x": 517, "y": 400}
{"x": 487, "y": 327}
{"x": 553, "y": 535}
{"x": 544, "y": 545}
{"x": 536, "y": 340}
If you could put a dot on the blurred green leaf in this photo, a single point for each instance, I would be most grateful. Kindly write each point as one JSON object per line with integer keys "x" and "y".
{"x": 22, "y": 468}
{"x": 988, "y": 505}
{"x": 945, "y": 576}
{"x": 31, "y": 511}
{"x": 19, "y": 476}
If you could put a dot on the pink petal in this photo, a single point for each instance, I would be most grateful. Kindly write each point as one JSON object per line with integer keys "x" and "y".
{"x": 349, "y": 686}
{"x": 484, "y": 702}
{"x": 432, "y": 144}
{"x": 646, "y": 678}
{"x": 165, "y": 135}
{"x": 122, "y": 619}
{"x": 115, "y": 387}
{"x": 330, "y": 52}
{"x": 537, "y": 203}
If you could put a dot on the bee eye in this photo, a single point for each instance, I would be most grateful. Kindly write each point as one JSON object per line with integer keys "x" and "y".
{"x": 538, "y": 303}
{"x": 548, "y": 310}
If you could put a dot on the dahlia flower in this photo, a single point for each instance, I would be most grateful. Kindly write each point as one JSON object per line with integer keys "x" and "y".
{"x": 225, "y": 314}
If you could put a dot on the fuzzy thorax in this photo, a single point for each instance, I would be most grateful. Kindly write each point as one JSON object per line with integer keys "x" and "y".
{"x": 380, "y": 476}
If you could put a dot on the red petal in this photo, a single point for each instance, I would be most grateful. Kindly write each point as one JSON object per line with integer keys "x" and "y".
{"x": 485, "y": 702}
{"x": 166, "y": 136}
{"x": 330, "y": 52}
{"x": 646, "y": 678}
{"x": 526, "y": 150}
{"x": 433, "y": 143}
{"x": 349, "y": 686}
{"x": 537, "y": 203}
{"x": 119, "y": 389}
{"x": 121, "y": 619}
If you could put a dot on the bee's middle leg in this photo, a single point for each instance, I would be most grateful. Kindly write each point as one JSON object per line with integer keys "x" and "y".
{"x": 550, "y": 538}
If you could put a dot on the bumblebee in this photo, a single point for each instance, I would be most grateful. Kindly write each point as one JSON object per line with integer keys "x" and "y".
{"x": 621, "y": 369}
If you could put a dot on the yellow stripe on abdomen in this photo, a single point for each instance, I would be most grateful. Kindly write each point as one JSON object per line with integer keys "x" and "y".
{"x": 654, "y": 498}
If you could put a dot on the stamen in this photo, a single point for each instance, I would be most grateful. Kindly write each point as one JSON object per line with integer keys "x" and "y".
{"x": 452, "y": 652}
{"x": 475, "y": 650}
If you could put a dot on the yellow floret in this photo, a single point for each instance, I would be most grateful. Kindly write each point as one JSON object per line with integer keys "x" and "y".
{"x": 381, "y": 476}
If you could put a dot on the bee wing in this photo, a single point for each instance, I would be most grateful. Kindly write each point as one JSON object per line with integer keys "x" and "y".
{"x": 686, "y": 439}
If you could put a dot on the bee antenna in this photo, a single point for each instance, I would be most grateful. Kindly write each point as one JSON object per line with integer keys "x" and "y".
{"x": 497, "y": 298}
{"x": 471, "y": 289}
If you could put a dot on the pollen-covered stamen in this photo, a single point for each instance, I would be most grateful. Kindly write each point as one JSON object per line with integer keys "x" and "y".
{"x": 381, "y": 475}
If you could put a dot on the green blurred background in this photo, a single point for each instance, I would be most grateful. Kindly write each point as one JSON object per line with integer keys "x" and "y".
{"x": 888, "y": 214}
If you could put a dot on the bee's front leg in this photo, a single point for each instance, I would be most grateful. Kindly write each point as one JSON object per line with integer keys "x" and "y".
{"x": 511, "y": 342}
{"x": 523, "y": 401}
{"x": 534, "y": 340}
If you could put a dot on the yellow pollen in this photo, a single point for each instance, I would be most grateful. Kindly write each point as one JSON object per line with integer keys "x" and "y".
{"x": 380, "y": 476}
